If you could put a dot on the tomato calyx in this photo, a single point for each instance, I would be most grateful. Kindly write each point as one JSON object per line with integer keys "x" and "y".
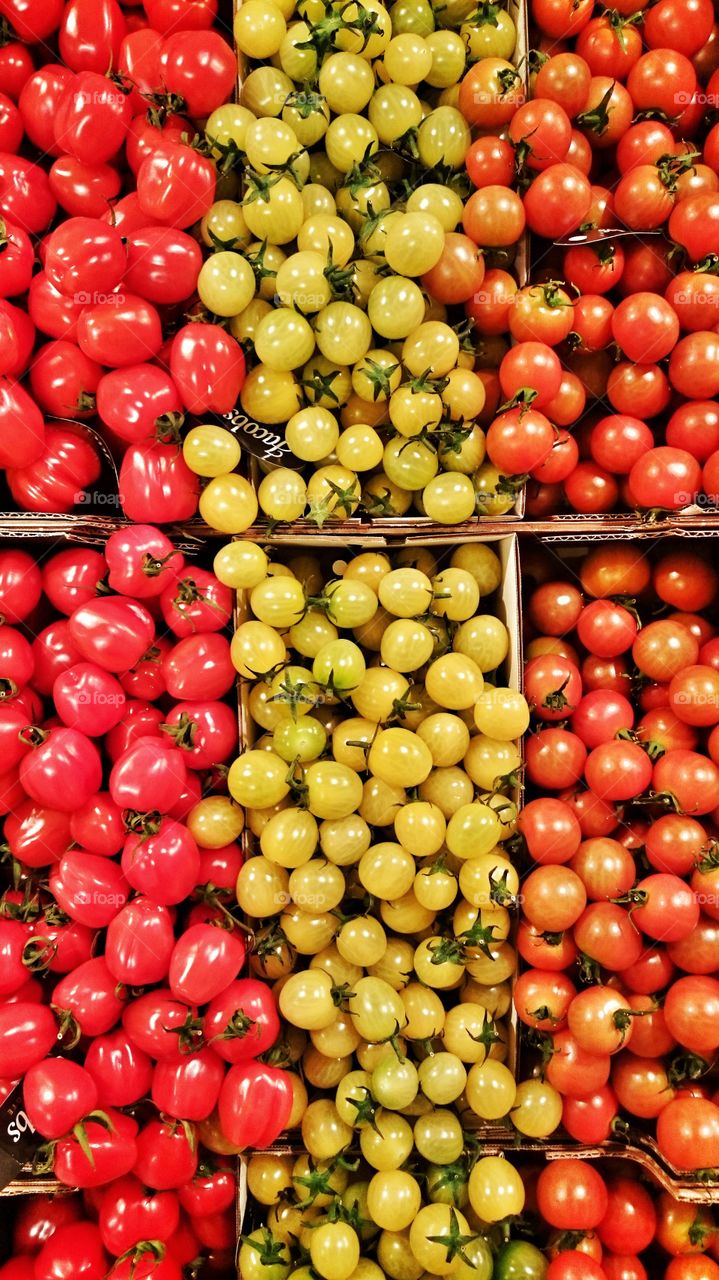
{"x": 69, "y": 1031}
{"x": 271, "y": 1250}
{"x": 544, "y": 1014}
{"x": 297, "y": 693}
{"x": 183, "y": 733}
{"x": 522, "y": 399}
{"x": 488, "y": 1035}
{"x": 318, "y": 1181}
{"x": 187, "y": 592}
{"x": 485, "y": 15}
{"x": 556, "y": 700}
{"x": 596, "y": 120}
{"x": 589, "y": 970}
{"x": 269, "y": 942}
{"x": 155, "y": 1249}
{"x": 162, "y": 105}
{"x": 168, "y": 426}
{"x": 320, "y": 384}
{"x": 454, "y": 1241}
{"x": 238, "y": 1027}
{"x": 542, "y": 1043}
{"x": 340, "y": 280}
{"x": 687, "y": 1066}
{"x": 479, "y": 937}
{"x": 498, "y": 891}
{"x": 379, "y": 377}
{"x": 366, "y": 1109}
{"x": 447, "y": 951}
{"x": 618, "y": 22}
{"x": 33, "y": 736}
{"x": 323, "y": 32}
{"x": 665, "y": 800}
{"x": 190, "y": 1035}
{"x": 700, "y": 1234}
{"x": 454, "y": 1178}
{"x": 709, "y": 858}
{"x": 38, "y": 953}
{"x": 44, "y": 1159}
{"x": 142, "y": 825}
{"x": 338, "y": 498}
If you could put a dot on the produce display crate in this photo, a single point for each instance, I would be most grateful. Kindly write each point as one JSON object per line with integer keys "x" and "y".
{"x": 41, "y": 536}
{"x": 532, "y": 1157}
{"x": 568, "y": 548}
{"x": 508, "y": 609}
{"x": 399, "y": 526}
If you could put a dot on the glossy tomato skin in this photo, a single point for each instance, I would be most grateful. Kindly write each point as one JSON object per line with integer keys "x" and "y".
{"x": 201, "y": 72}
{"x": 153, "y": 1021}
{"x": 36, "y": 835}
{"x": 244, "y": 1020}
{"x": 81, "y": 188}
{"x": 16, "y": 263}
{"x": 175, "y": 186}
{"x": 90, "y": 993}
{"x": 188, "y": 1085}
{"x": 165, "y": 864}
{"x": 58, "y": 479}
{"x": 112, "y": 631}
{"x": 89, "y": 889}
{"x": 112, "y": 1153}
{"x": 25, "y": 195}
{"x": 90, "y": 30}
{"x": 129, "y": 1214}
{"x": 149, "y": 775}
{"x": 205, "y": 960}
{"x": 92, "y": 118}
{"x": 630, "y": 1220}
{"x": 37, "y": 1218}
{"x": 16, "y": 67}
{"x": 208, "y": 368}
{"x": 118, "y": 329}
{"x": 63, "y": 770}
{"x": 28, "y": 1032}
{"x": 122, "y": 1073}
{"x": 89, "y": 699}
{"x": 85, "y": 256}
{"x": 167, "y": 1155}
{"x": 22, "y": 427}
{"x": 64, "y": 380}
{"x": 156, "y": 484}
{"x": 162, "y": 264}
{"x": 57, "y": 1095}
{"x": 74, "y": 1249}
{"x": 199, "y": 665}
{"x": 142, "y": 561}
{"x": 255, "y": 1104}
{"x": 138, "y": 402}
{"x": 205, "y": 730}
{"x": 139, "y": 943}
{"x": 590, "y": 1119}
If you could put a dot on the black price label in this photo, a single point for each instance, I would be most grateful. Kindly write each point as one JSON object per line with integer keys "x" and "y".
{"x": 267, "y": 443}
{"x": 18, "y": 1139}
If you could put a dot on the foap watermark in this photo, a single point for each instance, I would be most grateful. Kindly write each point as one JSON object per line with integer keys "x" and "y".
{"x": 684, "y": 99}
{"x": 84, "y": 298}
{"x": 97, "y": 498}
{"x": 305, "y": 901}
{"x": 698, "y": 298}
{"x": 683, "y": 498}
{"x": 98, "y": 698}
{"x": 95, "y": 898}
